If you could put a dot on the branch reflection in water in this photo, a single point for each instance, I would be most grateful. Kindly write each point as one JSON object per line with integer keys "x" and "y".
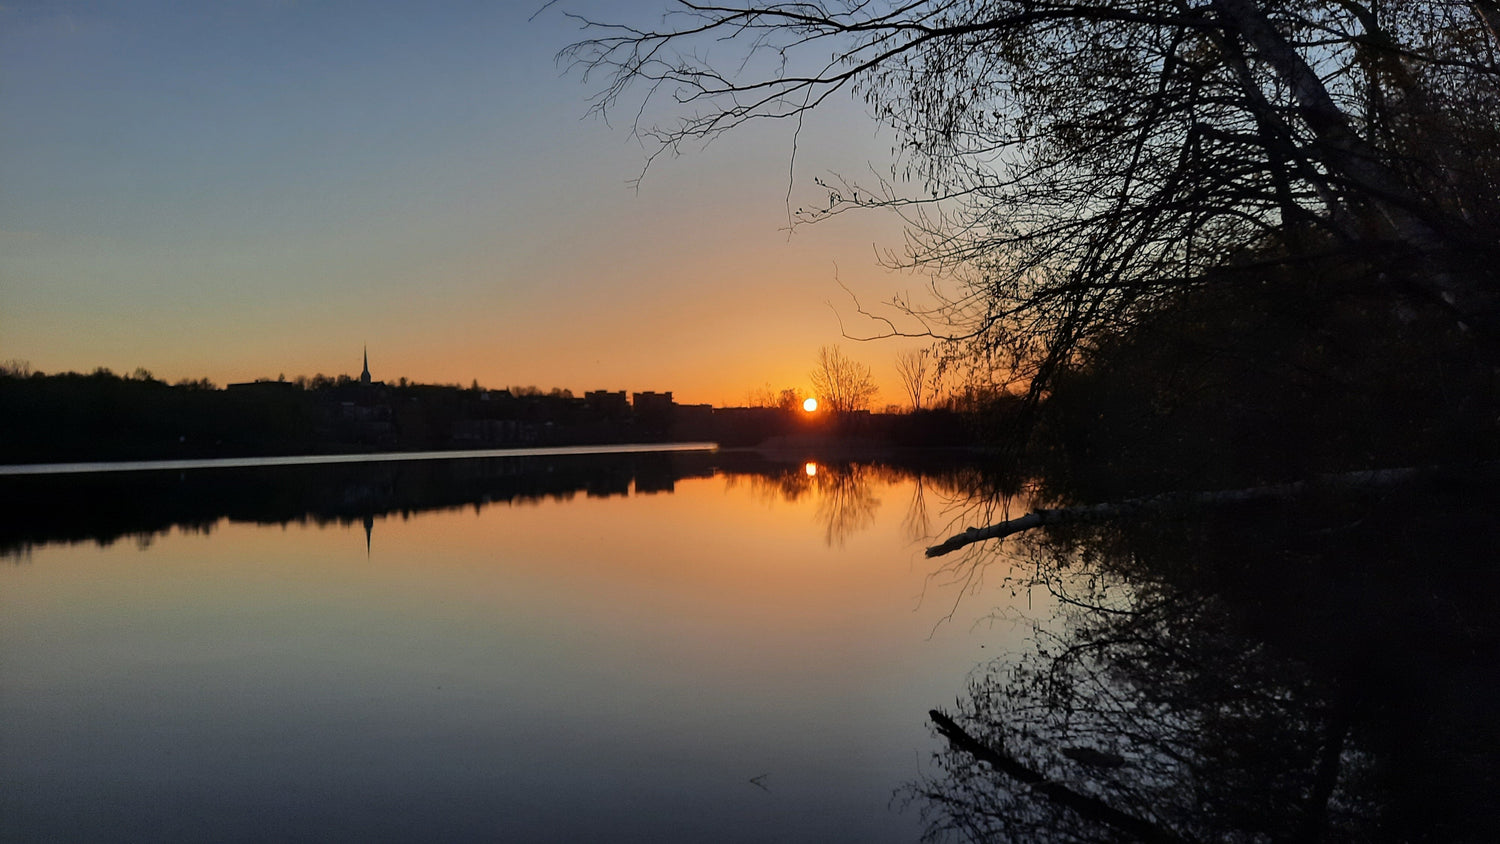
{"x": 846, "y": 502}
{"x": 1311, "y": 670}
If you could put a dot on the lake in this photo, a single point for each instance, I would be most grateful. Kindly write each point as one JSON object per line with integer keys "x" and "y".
{"x": 698, "y": 645}
{"x": 690, "y": 646}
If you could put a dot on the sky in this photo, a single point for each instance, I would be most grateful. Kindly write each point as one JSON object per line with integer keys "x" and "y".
{"x": 254, "y": 188}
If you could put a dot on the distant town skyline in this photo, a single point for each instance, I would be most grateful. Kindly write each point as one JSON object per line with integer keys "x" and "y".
{"x": 249, "y": 189}
{"x": 755, "y": 395}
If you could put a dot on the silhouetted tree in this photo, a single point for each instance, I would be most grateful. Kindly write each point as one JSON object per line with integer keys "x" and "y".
{"x": 789, "y": 400}
{"x": 762, "y": 396}
{"x": 1068, "y": 163}
{"x": 841, "y": 384}
{"x": 911, "y": 368}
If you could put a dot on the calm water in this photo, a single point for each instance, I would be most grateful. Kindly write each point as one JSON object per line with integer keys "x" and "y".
{"x": 647, "y": 647}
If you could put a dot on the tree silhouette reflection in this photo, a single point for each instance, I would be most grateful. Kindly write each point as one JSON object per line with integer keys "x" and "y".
{"x": 106, "y": 507}
{"x": 843, "y": 494}
{"x": 846, "y": 502}
{"x": 1318, "y": 671}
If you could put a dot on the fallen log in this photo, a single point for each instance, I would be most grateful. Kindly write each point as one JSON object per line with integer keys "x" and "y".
{"x": 1176, "y": 501}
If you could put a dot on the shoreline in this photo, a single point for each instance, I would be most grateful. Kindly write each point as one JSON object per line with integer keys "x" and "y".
{"x": 90, "y": 467}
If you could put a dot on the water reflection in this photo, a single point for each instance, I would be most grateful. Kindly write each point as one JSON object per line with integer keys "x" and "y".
{"x": 1328, "y": 669}
{"x": 844, "y": 493}
{"x": 103, "y": 508}
{"x": 1325, "y": 670}
{"x": 521, "y": 658}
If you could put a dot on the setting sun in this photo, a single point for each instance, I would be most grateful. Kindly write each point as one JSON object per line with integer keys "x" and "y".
{"x": 810, "y": 405}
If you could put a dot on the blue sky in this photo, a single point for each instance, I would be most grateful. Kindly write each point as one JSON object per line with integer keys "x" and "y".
{"x": 246, "y": 189}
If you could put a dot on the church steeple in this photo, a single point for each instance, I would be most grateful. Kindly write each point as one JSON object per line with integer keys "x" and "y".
{"x": 364, "y": 377}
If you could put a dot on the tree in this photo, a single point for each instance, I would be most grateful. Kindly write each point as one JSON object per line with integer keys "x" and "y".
{"x": 911, "y": 368}
{"x": 762, "y": 396}
{"x": 841, "y": 384}
{"x": 789, "y": 400}
{"x": 1065, "y": 165}
{"x": 200, "y": 384}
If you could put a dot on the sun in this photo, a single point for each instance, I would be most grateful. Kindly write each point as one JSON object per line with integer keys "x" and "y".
{"x": 810, "y": 405}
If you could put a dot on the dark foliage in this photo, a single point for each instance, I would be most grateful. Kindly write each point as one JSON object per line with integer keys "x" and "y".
{"x": 1269, "y": 377}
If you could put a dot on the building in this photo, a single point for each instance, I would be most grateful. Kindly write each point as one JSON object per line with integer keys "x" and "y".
{"x": 653, "y": 413}
{"x": 606, "y": 405}
{"x": 652, "y": 404}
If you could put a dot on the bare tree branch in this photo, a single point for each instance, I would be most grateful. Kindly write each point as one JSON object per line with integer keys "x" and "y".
{"x": 1062, "y": 166}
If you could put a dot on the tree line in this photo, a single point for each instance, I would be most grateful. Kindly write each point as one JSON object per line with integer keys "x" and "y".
{"x": 104, "y": 416}
{"x": 68, "y": 417}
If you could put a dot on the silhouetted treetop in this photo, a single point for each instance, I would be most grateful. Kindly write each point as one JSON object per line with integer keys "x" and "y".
{"x": 841, "y": 383}
{"x": 1066, "y": 164}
